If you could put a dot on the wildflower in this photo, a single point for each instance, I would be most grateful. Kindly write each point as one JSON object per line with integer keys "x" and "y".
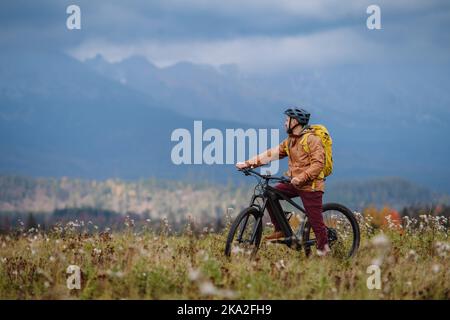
{"x": 280, "y": 264}
{"x": 412, "y": 255}
{"x": 44, "y": 273}
{"x": 227, "y": 294}
{"x": 194, "y": 274}
{"x": 72, "y": 224}
{"x": 392, "y": 224}
{"x": 207, "y": 288}
{"x": 442, "y": 248}
{"x": 118, "y": 274}
{"x": 237, "y": 250}
{"x": 358, "y": 215}
{"x": 381, "y": 241}
{"x": 436, "y": 268}
{"x": 377, "y": 261}
{"x": 407, "y": 221}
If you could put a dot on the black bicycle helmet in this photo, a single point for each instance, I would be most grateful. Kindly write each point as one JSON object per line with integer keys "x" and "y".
{"x": 301, "y": 115}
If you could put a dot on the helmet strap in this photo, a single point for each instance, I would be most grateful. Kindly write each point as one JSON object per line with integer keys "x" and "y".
{"x": 290, "y": 130}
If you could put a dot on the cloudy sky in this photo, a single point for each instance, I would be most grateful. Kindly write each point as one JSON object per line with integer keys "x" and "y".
{"x": 257, "y": 35}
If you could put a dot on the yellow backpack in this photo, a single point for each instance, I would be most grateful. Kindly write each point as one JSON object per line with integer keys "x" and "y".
{"x": 322, "y": 132}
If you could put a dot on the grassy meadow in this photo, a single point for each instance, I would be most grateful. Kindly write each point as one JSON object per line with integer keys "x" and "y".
{"x": 159, "y": 264}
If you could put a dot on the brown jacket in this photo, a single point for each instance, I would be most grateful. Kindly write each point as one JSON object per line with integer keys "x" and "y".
{"x": 306, "y": 166}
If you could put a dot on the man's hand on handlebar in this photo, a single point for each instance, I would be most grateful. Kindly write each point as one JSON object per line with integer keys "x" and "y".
{"x": 296, "y": 181}
{"x": 248, "y": 170}
{"x": 242, "y": 165}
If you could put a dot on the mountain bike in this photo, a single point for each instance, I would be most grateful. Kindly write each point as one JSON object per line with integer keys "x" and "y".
{"x": 246, "y": 230}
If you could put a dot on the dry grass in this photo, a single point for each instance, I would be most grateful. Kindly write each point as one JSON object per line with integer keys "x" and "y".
{"x": 147, "y": 264}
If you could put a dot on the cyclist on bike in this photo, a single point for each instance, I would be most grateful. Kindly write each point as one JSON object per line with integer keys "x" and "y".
{"x": 304, "y": 170}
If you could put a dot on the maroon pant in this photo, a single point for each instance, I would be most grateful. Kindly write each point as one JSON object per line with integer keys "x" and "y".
{"x": 312, "y": 201}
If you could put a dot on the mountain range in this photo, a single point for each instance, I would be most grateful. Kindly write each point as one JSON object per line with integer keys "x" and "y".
{"x": 95, "y": 119}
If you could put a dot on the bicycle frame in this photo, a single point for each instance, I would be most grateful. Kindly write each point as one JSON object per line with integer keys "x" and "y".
{"x": 271, "y": 198}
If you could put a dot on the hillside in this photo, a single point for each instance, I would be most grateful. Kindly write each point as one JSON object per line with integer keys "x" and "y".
{"x": 176, "y": 199}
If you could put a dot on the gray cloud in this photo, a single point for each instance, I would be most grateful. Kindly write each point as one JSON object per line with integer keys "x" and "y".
{"x": 255, "y": 34}
{"x": 251, "y": 53}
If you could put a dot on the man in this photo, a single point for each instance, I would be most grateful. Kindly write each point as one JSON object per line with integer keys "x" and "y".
{"x": 305, "y": 171}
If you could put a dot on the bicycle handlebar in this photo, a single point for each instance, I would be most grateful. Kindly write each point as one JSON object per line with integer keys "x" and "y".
{"x": 250, "y": 171}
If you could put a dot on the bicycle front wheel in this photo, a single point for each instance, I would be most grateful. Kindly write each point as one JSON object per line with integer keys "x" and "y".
{"x": 342, "y": 228}
{"x": 245, "y": 233}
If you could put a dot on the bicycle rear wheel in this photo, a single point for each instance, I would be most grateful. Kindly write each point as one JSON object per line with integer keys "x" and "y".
{"x": 343, "y": 231}
{"x": 245, "y": 233}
